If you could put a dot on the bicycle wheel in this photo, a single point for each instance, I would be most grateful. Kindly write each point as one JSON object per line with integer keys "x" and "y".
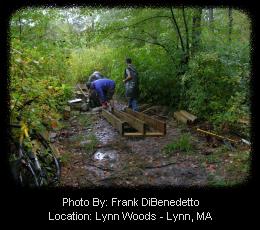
{"x": 50, "y": 166}
{"x": 22, "y": 168}
{"x": 24, "y": 174}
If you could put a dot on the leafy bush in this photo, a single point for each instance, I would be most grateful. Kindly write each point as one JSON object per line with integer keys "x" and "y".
{"x": 211, "y": 91}
{"x": 33, "y": 74}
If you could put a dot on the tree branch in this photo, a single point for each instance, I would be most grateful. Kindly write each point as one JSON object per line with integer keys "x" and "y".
{"x": 134, "y": 24}
{"x": 178, "y": 30}
{"x": 186, "y": 30}
{"x": 150, "y": 42}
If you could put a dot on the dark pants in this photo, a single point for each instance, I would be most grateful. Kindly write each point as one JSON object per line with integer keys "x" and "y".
{"x": 94, "y": 100}
{"x": 132, "y": 103}
{"x": 109, "y": 93}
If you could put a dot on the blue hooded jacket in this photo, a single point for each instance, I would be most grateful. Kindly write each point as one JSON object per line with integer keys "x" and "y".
{"x": 102, "y": 86}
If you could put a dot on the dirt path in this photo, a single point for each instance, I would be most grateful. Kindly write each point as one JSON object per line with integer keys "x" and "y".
{"x": 94, "y": 154}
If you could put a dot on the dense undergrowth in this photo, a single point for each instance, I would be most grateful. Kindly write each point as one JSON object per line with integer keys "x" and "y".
{"x": 49, "y": 58}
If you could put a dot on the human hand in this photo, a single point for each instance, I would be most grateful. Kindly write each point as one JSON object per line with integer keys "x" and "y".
{"x": 105, "y": 105}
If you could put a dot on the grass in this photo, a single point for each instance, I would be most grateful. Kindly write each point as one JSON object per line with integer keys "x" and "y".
{"x": 182, "y": 144}
{"x": 232, "y": 167}
{"x": 65, "y": 158}
{"x": 84, "y": 120}
{"x": 92, "y": 145}
{"x": 77, "y": 138}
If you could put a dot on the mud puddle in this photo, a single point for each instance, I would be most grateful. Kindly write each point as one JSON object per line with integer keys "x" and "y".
{"x": 117, "y": 160}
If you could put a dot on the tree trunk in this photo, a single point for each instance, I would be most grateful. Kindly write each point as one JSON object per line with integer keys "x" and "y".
{"x": 187, "y": 53}
{"x": 196, "y": 31}
{"x": 211, "y": 18}
{"x": 230, "y": 24}
{"x": 20, "y": 29}
{"x": 178, "y": 30}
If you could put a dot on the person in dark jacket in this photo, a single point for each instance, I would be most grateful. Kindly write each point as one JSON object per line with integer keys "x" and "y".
{"x": 132, "y": 85}
{"x": 95, "y": 76}
{"x": 93, "y": 97}
{"x": 104, "y": 88}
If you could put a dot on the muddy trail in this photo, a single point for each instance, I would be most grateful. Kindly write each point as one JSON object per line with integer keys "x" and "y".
{"x": 94, "y": 154}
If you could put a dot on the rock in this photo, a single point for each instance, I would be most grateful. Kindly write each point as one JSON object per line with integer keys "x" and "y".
{"x": 52, "y": 140}
{"x": 96, "y": 109}
{"x": 84, "y": 107}
{"x": 52, "y": 135}
{"x": 85, "y": 142}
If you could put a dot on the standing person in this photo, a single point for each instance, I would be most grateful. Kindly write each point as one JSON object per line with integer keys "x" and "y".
{"x": 131, "y": 84}
{"x": 104, "y": 88}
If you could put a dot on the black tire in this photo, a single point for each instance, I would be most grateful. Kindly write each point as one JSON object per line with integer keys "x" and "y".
{"x": 50, "y": 165}
{"x": 24, "y": 173}
{"x": 21, "y": 167}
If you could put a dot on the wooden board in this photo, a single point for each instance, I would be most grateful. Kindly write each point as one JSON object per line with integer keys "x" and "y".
{"x": 114, "y": 121}
{"x": 143, "y": 107}
{"x": 130, "y": 134}
{"x": 190, "y": 116}
{"x": 180, "y": 117}
{"x": 154, "y": 134}
{"x": 154, "y": 123}
{"x": 131, "y": 120}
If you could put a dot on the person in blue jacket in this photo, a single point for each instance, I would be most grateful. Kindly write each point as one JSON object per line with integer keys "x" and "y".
{"x": 104, "y": 88}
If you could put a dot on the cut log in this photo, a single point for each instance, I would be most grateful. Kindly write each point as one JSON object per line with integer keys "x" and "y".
{"x": 180, "y": 117}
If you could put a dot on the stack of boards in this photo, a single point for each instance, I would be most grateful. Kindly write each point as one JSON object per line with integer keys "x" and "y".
{"x": 185, "y": 117}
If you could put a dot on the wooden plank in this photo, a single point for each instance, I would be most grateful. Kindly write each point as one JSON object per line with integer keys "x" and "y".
{"x": 82, "y": 86}
{"x": 143, "y": 107}
{"x": 215, "y": 135}
{"x": 85, "y": 95}
{"x": 188, "y": 115}
{"x": 148, "y": 109}
{"x": 131, "y": 120}
{"x": 154, "y": 134}
{"x": 243, "y": 121}
{"x": 180, "y": 117}
{"x": 114, "y": 121}
{"x": 148, "y": 134}
{"x": 135, "y": 134}
{"x": 77, "y": 100}
{"x": 154, "y": 123}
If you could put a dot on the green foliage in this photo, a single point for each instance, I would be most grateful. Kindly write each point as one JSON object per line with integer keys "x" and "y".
{"x": 92, "y": 145}
{"x": 234, "y": 170}
{"x": 211, "y": 91}
{"x": 65, "y": 158}
{"x": 182, "y": 144}
{"x": 84, "y": 120}
{"x": 54, "y": 48}
{"x": 38, "y": 71}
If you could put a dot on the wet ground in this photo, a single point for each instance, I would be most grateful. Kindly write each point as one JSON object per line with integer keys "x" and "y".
{"x": 94, "y": 154}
